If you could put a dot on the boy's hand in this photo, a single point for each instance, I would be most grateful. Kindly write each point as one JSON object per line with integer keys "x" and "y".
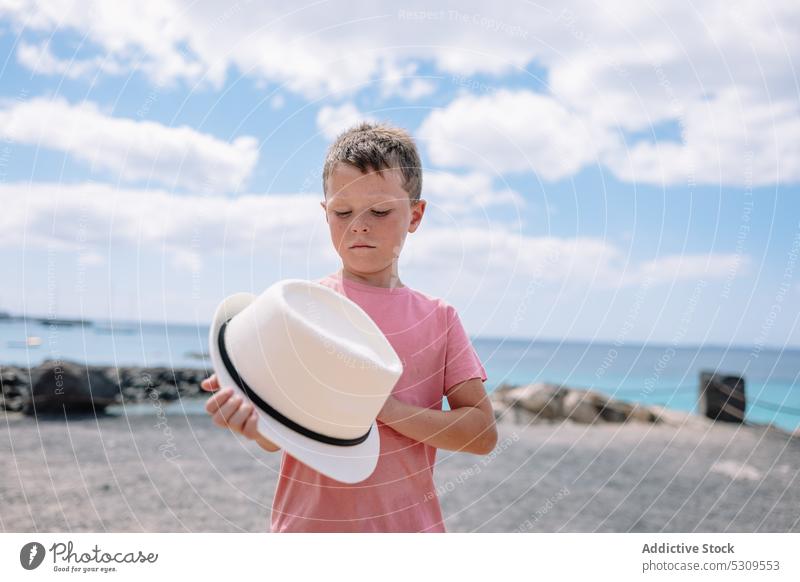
{"x": 232, "y": 411}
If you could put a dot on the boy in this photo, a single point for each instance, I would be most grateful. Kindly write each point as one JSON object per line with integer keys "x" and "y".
{"x": 372, "y": 183}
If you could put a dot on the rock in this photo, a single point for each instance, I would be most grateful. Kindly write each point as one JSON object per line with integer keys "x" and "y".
{"x": 579, "y": 406}
{"x": 503, "y": 389}
{"x": 168, "y": 393}
{"x": 131, "y": 383}
{"x": 542, "y": 402}
{"x": 12, "y": 399}
{"x": 641, "y": 413}
{"x": 500, "y": 409}
{"x": 722, "y": 397}
{"x": 56, "y": 386}
{"x": 615, "y": 410}
{"x": 188, "y": 388}
{"x": 132, "y": 394}
{"x": 588, "y": 406}
{"x": 13, "y": 388}
{"x": 163, "y": 375}
{"x": 10, "y": 377}
{"x": 541, "y": 399}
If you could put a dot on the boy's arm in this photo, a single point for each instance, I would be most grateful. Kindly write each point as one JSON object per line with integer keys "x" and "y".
{"x": 468, "y": 427}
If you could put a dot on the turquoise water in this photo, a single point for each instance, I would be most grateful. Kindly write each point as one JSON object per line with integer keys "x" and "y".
{"x": 650, "y": 374}
{"x": 653, "y": 374}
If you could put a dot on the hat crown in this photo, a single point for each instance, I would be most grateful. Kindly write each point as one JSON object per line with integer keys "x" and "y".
{"x": 314, "y": 356}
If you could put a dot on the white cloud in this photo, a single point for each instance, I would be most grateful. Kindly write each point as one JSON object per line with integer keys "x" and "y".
{"x": 494, "y": 257}
{"x": 191, "y": 261}
{"x": 512, "y": 131}
{"x": 331, "y": 121}
{"x": 500, "y": 255}
{"x": 132, "y": 150}
{"x": 402, "y": 80}
{"x": 191, "y": 250}
{"x": 608, "y": 66}
{"x": 90, "y": 218}
{"x": 460, "y": 194}
{"x": 41, "y": 60}
{"x": 729, "y": 139}
{"x": 155, "y": 45}
{"x": 330, "y": 46}
{"x": 417, "y": 89}
{"x": 91, "y": 259}
{"x": 636, "y": 66}
{"x": 277, "y": 102}
{"x": 690, "y": 268}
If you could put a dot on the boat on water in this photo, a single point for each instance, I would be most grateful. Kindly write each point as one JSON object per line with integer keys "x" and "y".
{"x": 62, "y": 322}
{"x": 32, "y": 341}
{"x": 115, "y": 329}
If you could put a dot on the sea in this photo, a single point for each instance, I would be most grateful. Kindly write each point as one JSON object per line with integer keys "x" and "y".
{"x": 667, "y": 375}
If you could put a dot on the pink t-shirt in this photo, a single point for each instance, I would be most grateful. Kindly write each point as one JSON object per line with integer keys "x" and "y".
{"x": 400, "y": 495}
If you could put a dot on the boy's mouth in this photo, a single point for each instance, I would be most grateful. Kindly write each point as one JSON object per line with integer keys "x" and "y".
{"x": 362, "y": 246}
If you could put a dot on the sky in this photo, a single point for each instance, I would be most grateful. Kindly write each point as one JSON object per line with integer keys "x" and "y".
{"x": 617, "y": 172}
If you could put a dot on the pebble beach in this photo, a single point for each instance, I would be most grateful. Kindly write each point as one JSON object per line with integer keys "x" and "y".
{"x": 164, "y": 470}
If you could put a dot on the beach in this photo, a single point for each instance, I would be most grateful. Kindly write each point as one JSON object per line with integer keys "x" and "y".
{"x": 161, "y": 470}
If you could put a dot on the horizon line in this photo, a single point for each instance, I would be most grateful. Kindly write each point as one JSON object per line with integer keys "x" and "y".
{"x": 577, "y": 341}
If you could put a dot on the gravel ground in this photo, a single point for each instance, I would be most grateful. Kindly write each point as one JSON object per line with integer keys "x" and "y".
{"x": 169, "y": 473}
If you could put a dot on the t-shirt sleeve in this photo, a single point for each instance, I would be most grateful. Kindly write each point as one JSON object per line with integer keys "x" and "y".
{"x": 461, "y": 361}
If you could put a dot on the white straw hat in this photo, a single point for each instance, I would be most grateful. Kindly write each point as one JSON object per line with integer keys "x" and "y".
{"x": 317, "y": 368}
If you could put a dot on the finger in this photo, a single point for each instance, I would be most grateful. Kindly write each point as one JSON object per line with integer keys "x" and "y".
{"x": 210, "y": 384}
{"x": 218, "y": 400}
{"x": 251, "y": 426}
{"x": 222, "y": 416}
{"x": 215, "y": 401}
{"x": 239, "y": 417}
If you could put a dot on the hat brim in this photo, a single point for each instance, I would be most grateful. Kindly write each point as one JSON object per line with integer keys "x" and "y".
{"x": 348, "y": 464}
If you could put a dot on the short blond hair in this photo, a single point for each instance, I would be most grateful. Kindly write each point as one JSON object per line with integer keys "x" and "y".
{"x": 376, "y": 146}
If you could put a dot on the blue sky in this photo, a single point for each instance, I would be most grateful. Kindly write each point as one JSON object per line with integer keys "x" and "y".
{"x": 603, "y": 177}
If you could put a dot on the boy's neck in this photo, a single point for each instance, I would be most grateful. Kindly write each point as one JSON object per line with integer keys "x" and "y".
{"x": 387, "y": 279}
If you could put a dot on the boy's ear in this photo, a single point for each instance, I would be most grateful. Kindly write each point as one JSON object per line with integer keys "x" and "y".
{"x": 417, "y": 211}
{"x": 324, "y": 209}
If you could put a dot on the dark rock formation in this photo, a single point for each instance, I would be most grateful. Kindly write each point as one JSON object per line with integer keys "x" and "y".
{"x": 57, "y": 387}
{"x": 54, "y": 386}
{"x": 722, "y": 397}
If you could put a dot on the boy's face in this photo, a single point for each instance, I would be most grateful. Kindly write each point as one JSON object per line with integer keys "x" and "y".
{"x": 369, "y": 209}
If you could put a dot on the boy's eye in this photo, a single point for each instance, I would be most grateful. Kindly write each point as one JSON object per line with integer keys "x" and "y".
{"x": 374, "y": 212}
